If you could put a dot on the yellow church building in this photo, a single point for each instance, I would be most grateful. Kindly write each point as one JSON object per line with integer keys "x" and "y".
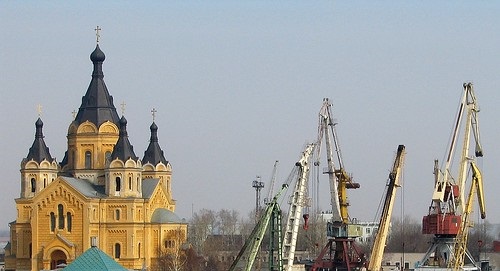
{"x": 101, "y": 193}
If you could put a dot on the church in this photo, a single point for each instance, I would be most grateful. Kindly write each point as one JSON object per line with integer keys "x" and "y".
{"x": 101, "y": 194}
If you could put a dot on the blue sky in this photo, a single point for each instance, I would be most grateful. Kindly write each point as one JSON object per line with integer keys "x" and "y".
{"x": 238, "y": 85}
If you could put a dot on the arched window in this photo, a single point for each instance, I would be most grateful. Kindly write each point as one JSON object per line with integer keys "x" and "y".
{"x": 130, "y": 182}
{"x": 33, "y": 185}
{"x": 69, "y": 221}
{"x": 107, "y": 156}
{"x": 52, "y": 221}
{"x": 117, "y": 214}
{"x": 88, "y": 160}
{"x": 60, "y": 214}
{"x": 139, "y": 250}
{"x": 118, "y": 184}
{"x": 44, "y": 182}
{"x": 117, "y": 251}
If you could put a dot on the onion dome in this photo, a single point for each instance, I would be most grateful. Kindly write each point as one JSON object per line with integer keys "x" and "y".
{"x": 39, "y": 151}
{"x": 97, "y": 105}
{"x": 123, "y": 150}
{"x": 154, "y": 153}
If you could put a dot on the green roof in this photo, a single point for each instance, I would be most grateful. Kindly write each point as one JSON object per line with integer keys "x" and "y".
{"x": 94, "y": 259}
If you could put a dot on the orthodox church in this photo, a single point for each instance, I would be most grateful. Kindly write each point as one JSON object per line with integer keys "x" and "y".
{"x": 101, "y": 194}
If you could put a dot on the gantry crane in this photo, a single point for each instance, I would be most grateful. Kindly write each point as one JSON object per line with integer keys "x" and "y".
{"x": 447, "y": 212}
{"x": 340, "y": 250}
{"x": 385, "y": 217}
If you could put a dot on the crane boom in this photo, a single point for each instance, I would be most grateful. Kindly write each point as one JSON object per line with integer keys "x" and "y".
{"x": 252, "y": 244}
{"x": 297, "y": 202}
{"x": 461, "y": 240}
{"x": 385, "y": 218}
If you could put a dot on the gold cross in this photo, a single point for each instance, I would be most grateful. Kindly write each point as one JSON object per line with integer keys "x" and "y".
{"x": 97, "y": 29}
{"x": 123, "y": 107}
{"x": 153, "y": 112}
{"x": 39, "y": 109}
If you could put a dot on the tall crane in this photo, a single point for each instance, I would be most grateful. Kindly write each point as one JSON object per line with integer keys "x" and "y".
{"x": 341, "y": 249}
{"x": 271, "y": 183}
{"x": 252, "y": 244}
{"x": 447, "y": 210}
{"x": 298, "y": 201}
{"x": 385, "y": 218}
{"x": 461, "y": 240}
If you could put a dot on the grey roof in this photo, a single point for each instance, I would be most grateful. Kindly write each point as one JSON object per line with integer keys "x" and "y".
{"x": 162, "y": 215}
{"x": 85, "y": 187}
{"x": 123, "y": 150}
{"x": 154, "y": 153}
{"x": 148, "y": 186}
{"x": 97, "y": 105}
{"x": 38, "y": 151}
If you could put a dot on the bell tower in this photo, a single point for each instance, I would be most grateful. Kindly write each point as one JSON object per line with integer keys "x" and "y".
{"x": 93, "y": 133}
{"x": 39, "y": 168}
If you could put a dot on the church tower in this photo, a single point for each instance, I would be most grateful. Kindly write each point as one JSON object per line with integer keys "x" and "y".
{"x": 38, "y": 169}
{"x": 155, "y": 165}
{"x": 124, "y": 168}
{"x": 94, "y": 131}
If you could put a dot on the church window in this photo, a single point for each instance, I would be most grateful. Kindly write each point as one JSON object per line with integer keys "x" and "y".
{"x": 69, "y": 221}
{"x": 139, "y": 250}
{"x": 88, "y": 160}
{"x": 117, "y": 214}
{"x": 117, "y": 250}
{"x": 52, "y": 221}
{"x": 130, "y": 183}
{"x": 118, "y": 184}
{"x": 60, "y": 214}
{"x": 44, "y": 182}
{"x": 33, "y": 185}
{"x": 138, "y": 184}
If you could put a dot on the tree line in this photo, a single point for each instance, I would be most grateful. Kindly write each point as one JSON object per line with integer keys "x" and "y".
{"x": 215, "y": 238}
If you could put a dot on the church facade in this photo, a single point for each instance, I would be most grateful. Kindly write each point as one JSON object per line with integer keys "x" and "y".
{"x": 101, "y": 193}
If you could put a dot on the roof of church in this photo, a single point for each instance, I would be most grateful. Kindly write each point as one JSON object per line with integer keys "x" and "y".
{"x": 148, "y": 187}
{"x": 123, "y": 150}
{"x": 90, "y": 190}
{"x": 162, "y": 215}
{"x": 85, "y": 187}
{"x": 97, "y": 105}
{"x": 154, "y": 153}
{"x": 39, "y": 151}
{"x": 94, "y": 259}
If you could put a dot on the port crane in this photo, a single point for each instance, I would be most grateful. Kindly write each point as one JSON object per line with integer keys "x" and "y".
{"x": 297, "y": 202}
{"x": 271, "y": 219}
{"x": 449, "y": 213}
{"x": 340, "y": 252}
{"x": 385, "y": 217}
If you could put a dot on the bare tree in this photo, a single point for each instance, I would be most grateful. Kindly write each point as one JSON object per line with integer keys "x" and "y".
{"x": 202, "y": 225}
{"x": 172, "y": 255}
{"x": 406, "y": 236}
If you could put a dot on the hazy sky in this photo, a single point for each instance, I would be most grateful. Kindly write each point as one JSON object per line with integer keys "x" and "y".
{"x": 238, "y": 85}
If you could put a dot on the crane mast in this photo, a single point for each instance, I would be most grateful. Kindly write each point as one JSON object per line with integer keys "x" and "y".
{"x": 385, "y": 218}
{"x": 297, "y": 202}
{"x": 448, "y": 217}
{"x": 340, "y": 250}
